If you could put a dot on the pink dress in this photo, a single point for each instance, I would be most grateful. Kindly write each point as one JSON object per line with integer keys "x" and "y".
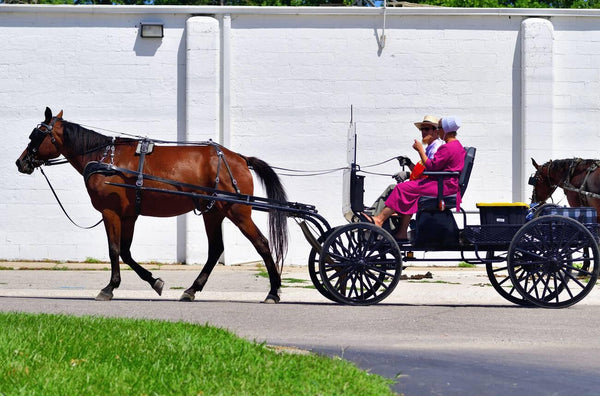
{"x": 449, "y": 157}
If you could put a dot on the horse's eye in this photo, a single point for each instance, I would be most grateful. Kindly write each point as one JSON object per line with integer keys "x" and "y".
{"x": 532, "y": 180}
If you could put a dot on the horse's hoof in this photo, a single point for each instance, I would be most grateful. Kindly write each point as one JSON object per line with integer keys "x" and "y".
{"x": 271, "y": 299}
{"x": 158, "y": 286}
{"x": 104, "y": 296}
{"x": 186, "y": 297}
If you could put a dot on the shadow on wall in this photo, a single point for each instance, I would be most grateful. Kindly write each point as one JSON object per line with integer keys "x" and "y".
{"x": 146, "y": 46}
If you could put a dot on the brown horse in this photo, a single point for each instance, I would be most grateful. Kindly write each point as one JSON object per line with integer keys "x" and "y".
{"x": 190, "y": 165}
{"x": 579, "y": 179}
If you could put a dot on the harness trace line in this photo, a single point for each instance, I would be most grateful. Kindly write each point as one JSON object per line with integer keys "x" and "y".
{"x": 319, "y": 172}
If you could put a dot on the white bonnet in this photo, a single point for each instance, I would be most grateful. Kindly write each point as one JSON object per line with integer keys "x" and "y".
{"x": 451, "y": 124}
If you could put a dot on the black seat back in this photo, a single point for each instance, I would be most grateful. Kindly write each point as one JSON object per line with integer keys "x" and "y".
{"x": 465, "y": 175}
{"x": 433, "y": 202}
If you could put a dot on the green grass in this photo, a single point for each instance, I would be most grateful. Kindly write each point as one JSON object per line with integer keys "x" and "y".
{"x": 65, "y": 355}
{"x": 262, "y": 273}
{"x": 463, "y": 264}
{"x": 293, "y": 280}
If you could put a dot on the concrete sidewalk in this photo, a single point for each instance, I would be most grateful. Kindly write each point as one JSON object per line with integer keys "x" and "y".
{"x": 447, "y": 285}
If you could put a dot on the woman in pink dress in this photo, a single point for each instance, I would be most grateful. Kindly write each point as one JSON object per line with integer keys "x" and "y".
{"x": 404, "y": 199}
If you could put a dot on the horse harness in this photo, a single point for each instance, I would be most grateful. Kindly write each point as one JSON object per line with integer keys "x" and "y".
{"x": 145, "y": 147}
{"x": 582, "y": 192}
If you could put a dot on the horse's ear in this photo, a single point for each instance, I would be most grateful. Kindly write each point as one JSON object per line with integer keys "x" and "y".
{"x": 535, "y": 165}
{"x": 48, "y": 115}
{"x": 59, "y": 115}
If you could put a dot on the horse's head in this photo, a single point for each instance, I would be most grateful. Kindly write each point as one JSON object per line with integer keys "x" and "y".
{"x": 543, "y": 182}
{"x": 44, "y": 143}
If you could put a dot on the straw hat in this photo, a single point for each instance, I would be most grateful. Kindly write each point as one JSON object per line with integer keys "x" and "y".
{"x": 428, "y": 120}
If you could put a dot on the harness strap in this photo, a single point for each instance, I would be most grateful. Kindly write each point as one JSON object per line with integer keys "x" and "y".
{"x": 583, "y": 193}
{"x": 221, "y": 159}
{"x": 583, "y": 197}
{"x": 144, "y": 144}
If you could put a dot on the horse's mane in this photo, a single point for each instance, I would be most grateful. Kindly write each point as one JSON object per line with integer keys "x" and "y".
{"x": 85, "y": 141}
{"x": 578, "y": 164}
{"x": 82, "y": 140}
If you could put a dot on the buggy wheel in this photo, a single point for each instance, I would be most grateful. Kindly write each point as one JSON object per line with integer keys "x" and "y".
{"x": 500, "y": 279}
{"x": 553, "y": 261}
{"x": 313, "y": 271}
{"x": 360, "y": 264}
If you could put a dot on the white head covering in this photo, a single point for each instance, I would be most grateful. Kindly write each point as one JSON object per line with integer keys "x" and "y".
{"x": 451, "y": 124}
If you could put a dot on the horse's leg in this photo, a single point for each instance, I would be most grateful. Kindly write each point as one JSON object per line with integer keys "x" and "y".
{"x": 112, "y": 224}
{"x": 127, "y": 227}
{"x": 212, "y": 225}
{"x": 261, "y": 244}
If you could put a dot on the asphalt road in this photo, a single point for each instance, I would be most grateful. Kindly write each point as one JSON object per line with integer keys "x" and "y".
{"x": 450, "y": 335}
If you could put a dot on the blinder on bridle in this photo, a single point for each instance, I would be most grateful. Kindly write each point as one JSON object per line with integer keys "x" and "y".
{"x": 538, "y": 176}
{"x": 36, "y": 138}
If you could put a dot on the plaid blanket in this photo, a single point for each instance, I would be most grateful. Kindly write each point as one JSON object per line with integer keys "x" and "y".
{"x": 585, "y": 215}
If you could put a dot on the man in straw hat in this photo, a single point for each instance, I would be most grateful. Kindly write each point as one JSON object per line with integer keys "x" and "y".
{"x": 430, "y": 128}
{"x": 405, "y": 196}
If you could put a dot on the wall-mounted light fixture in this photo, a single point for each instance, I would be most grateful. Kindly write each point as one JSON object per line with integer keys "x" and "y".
{"x": 151, "y": 30}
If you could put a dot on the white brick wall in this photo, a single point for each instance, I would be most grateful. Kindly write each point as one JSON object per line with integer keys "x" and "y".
{"x": 292, "y": 76}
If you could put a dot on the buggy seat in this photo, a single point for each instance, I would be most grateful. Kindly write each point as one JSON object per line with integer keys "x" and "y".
{"x": 435, "y": 225}
{"x": 440, "y": 202}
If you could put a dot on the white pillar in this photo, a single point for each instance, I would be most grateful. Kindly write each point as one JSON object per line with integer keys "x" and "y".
{"x": 202, "y": 84}
{"x": 537, "y": 104}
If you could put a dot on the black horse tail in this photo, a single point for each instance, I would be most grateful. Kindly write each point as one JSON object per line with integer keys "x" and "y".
{"x": 278, "y": 231}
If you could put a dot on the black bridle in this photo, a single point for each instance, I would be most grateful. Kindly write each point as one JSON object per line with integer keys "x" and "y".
{"x": 37, "y": 137}
{"x": 539, "y": 176}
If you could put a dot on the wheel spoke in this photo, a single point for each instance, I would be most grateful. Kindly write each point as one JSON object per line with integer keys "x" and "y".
{"x": 378, "y": 281}
{"x": 573, "y": 278}
{"x": 339, "y": 271}
{"x": 565, "y": 283}
{"x": 352, "y": 279}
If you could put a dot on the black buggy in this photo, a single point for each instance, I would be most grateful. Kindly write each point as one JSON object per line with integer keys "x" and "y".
{"x": 549, "y": 260}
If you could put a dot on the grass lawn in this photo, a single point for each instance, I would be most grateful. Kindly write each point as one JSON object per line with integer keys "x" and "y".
{"x": 66, "y": 355}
